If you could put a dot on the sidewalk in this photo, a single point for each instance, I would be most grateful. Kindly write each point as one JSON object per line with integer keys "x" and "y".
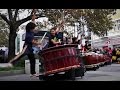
{"x": 106, "y": 73}
{"x": 12, "y": 72}
{"x": 9, "y": 72}
{"x": 20, "y": 77}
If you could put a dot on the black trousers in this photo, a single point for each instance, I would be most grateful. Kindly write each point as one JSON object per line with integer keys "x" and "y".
{"x": 31, "y": 57}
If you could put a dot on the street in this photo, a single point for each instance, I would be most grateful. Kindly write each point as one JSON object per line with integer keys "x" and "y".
{"x": 105, "y": 73}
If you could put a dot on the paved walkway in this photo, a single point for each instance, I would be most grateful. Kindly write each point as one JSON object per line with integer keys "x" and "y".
{"x": 21, "y": 77}
{"x": 105, "y": 73}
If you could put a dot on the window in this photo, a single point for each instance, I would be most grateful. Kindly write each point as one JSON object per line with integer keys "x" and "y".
{"x": 114, "y": 27}
{"x": 119, "y": 21}
{"x": 118, "y": 26}
{"x": 18, "y": 43}
{"x": 23, "y": 37}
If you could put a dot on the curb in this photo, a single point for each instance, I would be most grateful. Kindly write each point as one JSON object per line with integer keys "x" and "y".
{"x": 12, "y": 72}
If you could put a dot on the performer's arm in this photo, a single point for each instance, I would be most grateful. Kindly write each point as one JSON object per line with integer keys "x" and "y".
{"x": 54, "y": 42}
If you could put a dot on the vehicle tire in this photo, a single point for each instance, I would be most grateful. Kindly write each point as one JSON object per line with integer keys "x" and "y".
{"x": 98, "y": 66}
{"x": 44, "y": 78}
{"x": 41, "y": 77}
{"x": 94, "y": 68}
{"x": 70, "y": 74}
{"x": 79, "y": 72}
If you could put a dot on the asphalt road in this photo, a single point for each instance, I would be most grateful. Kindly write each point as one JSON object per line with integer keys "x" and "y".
{"x": 105, "y": 73}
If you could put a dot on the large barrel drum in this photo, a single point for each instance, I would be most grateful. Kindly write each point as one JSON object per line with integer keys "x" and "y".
{"x": 101, "y": 58}
{"x": 91, "y": 59}
{"x": 108, "y": 60}
{"x": 59, "y": 58}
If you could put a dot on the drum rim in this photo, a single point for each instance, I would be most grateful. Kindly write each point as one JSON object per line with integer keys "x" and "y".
{"x": 60, "y": 46}
{"x": 49, "y": 51}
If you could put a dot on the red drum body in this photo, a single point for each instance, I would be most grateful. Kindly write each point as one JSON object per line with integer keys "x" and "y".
{"x": 91, "y": 59}
{"x": 60, "y": 58}
{"x": 107, "y": 58}
{"x": 101, "y": 59}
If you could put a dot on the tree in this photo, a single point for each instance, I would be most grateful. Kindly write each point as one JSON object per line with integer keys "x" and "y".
{"x": 13, "y": 21}
{"x": 4, "y": 34}
{"x": 4, "y": 37}
{"x": 98, "y": 20}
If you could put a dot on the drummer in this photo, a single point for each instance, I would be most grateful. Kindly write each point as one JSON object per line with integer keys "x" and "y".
{"x": 54, "y": 39}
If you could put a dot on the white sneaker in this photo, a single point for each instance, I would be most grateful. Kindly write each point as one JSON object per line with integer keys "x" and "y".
{"x": 36, "y": 75}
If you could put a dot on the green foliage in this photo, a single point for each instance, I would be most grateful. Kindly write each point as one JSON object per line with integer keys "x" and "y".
{"x": 8, "y": 68}
{"x": 4, "y": 34}
{"x": 98, "y": 20}
{"x": 21, "y": 62}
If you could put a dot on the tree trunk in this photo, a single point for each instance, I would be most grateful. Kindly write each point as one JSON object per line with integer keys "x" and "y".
{"x": 12, "y": 37}
{"x": 106, "y": 33}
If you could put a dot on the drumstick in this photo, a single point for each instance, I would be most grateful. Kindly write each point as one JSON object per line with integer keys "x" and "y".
{"x": 15, "y": 58}
{"x": 43, "y": 37}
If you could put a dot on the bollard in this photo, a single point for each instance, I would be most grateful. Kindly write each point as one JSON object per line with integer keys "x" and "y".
{"x": 27, "y": 66}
